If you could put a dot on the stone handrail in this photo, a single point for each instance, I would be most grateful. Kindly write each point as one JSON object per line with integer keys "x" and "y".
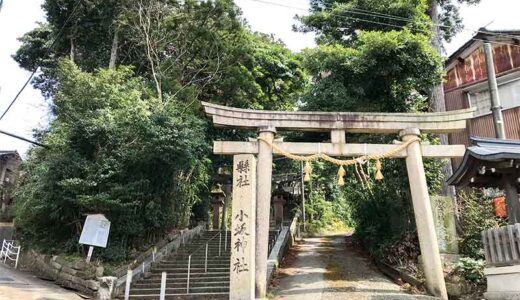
{"x": 145, "y": 265}
{"x": 285, "y": 240}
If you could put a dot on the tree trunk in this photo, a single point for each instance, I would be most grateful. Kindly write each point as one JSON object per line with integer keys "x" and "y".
{"x": 72, "y": 49}
{"x": 437, "y": 102}
{"x": 113, "y": 51}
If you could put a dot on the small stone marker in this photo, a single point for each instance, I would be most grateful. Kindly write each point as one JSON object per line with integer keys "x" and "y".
{"x": 242, "y": 285}
{"x": 95, "y": 233}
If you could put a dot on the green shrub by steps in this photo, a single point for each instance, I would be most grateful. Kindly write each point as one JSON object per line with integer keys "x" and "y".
{"x": 476, "y": 215}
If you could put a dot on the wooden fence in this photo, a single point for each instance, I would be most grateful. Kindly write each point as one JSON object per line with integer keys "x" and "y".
{"x": 502, "y": 245}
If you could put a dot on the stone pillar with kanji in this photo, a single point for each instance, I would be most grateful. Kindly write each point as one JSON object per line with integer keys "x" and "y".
{"x": 242, "y": 264}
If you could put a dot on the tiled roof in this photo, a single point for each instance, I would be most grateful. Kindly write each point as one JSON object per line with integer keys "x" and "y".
{"x": 482, "y": 151}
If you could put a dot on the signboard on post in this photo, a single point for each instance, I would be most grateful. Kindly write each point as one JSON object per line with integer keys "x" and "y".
{"x": 95, "y": 232}
{"x": 242, "y": 285}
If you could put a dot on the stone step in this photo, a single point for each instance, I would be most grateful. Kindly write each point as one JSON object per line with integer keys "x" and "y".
{"x": 173, "y": 284}
{"x": 170, "y": 260}
{"x": 157, "y": 279}
{"x": 193, "y": 262}
{"x": 197, "y": 258}
{"x": 199, "y": 264}
{"x": 192, "y": 270}
{"x": 195, "y": 296}
{"x": 192, "y": 275}
{"x": 181, "y": 290}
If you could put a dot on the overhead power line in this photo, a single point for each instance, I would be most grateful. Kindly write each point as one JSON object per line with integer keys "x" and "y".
{"x": 23, "y": 139}
{"x": 390, "y": 17}
{"x": 76, "y": 5}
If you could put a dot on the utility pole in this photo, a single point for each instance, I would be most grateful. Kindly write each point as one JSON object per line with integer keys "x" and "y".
{"x": 302, "y": 194}
{"x": 496, "y": 108}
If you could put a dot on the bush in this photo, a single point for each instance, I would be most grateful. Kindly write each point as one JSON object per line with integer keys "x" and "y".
{"x": 113, "y": 149}
{"x": 324, "y": 215}
{"x": 476, "y": 215}
{"x": 470, "y": 269}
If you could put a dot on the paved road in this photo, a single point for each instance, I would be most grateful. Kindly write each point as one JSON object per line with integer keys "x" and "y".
{"x": 19, "y": 285}
{"x": 330, "y": 268}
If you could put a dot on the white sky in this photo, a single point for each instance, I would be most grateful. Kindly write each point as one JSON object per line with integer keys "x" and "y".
{"x": 30, "y": 111}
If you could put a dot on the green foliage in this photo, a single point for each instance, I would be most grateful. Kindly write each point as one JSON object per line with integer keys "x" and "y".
{"x": 363, "y": 65}
{"x": 325, "y": 215}
{"x": 128, "y": 142}
{"x": 195, "y": 50}
{"x": 341, "y": 21}
{"x": 379, "y": 72}
{"x": 476, "y": 215}
{"x": 113, "y": 149}
{"x": 470, "y": 269}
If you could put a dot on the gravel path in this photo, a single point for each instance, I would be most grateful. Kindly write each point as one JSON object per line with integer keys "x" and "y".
{"x": 331, "y": 268}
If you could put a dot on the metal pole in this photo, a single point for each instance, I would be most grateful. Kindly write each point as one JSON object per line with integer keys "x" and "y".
{"x": 89, "y": 255}
{"x": 163, "y": 286}
{"x": 128, "y": 282}
{"x": 303, "y": 194}
{"x": 206, "y": 260}
{"x": 219, "y": 242}
{"x": 496, "y": 108}
{"x": 188, "y": 280}
{"x": 225, "y": 241}
{"x": 17, "y": 256}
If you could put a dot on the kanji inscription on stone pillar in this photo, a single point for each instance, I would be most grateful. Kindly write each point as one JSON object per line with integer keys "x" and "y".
{"x": 242, "y": 285}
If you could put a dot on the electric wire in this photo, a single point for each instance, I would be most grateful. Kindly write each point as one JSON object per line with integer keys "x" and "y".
{"x": 391, "y": 17}
{"x": 76, "y": 5}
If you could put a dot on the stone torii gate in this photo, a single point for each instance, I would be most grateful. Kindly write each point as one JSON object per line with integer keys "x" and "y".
{"x": 408, "y": 125}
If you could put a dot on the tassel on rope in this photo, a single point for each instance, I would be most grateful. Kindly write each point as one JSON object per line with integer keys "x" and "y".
{"x": 341, "y": 174}
{"x": 379, "y": 175}
{"x": 307, "y": 170}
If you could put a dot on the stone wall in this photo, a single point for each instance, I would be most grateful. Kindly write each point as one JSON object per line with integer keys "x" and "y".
{"x": 88, "y": 279}
{"x": 6, "y": 231}
{"x": 77, "y": 275}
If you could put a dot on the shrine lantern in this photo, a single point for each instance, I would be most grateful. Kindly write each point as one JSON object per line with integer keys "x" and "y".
{"x": 500, "y": 206}
{"x": 217, "y": 201}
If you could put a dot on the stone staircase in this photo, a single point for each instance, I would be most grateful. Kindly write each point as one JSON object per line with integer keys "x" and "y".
{"x": 213, "y": 284}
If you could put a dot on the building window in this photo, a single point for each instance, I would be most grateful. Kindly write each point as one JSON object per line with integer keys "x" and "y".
{"x": 508, "y": 92}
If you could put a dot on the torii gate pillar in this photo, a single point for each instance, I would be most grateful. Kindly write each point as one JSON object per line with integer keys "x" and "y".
{"x": 424, "y": 217}
{"x": 263, "y": 201}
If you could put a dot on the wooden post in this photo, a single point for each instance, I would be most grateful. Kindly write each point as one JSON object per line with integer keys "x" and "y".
{"x": 513, "y": 205}
{"x": 263, "y": 202}
{"x": 424, "y": 217}
{"x": 242, "y": 264}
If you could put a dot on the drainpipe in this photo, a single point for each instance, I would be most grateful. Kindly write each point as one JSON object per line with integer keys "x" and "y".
{"x": 496, "y": 108}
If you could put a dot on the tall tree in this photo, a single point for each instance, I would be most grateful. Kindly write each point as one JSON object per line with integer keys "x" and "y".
{"x": 127, "y": 139}
{"x": 114, "y": 149}
{"x": 373, "y": 55}
{"x": 199, "y": 49}
{"x": 446, "y": 22}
